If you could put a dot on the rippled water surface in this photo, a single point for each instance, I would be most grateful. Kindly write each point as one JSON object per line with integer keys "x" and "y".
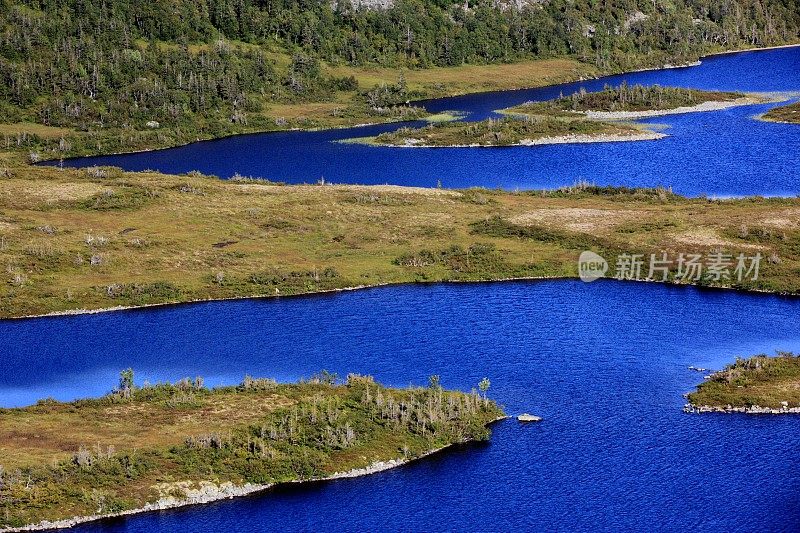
{"x": 605, "y": 364}
{"x": 722, "y": 153}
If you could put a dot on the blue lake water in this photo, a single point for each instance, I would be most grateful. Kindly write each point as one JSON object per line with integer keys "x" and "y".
{"x": 605, "y": 364}
{"x": 725, "y": 153}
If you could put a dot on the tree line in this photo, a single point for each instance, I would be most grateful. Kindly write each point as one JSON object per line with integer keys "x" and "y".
{"x": 128, "y": 63}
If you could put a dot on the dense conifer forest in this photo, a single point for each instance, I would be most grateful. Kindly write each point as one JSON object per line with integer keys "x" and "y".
{"x": 212, "y": 66}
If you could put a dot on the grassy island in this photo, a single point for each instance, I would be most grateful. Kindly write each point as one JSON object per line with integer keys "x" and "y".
{"x": 632, "y": 102}
{"x": 629, "y": 98}
{"x": 159, "y": 446}
{"x": 789, "y": 114}
{"x": 575, "y": 118}
{"x": 760, "y": 384}
{"x": 543, "y": 129}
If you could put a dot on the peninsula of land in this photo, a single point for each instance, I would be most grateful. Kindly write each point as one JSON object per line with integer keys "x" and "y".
{"x": 789, "y": 114}
{"x": 757, "y": 385}
{"x": 77, "y": 240}
{"x": 161, "y": 446}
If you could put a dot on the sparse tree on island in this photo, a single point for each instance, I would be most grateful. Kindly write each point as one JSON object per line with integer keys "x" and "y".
{"x": 325, "y": 377}
{"x": 126, "y": 383}
{"x": 484, "y": 387}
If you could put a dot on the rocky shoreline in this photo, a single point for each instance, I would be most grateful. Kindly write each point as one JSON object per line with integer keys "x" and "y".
{"x": 751, "y": 410}
{"x": 208, "y": 492}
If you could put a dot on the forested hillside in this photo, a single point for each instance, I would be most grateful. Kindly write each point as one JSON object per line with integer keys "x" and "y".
{"x": 210, "y": 65}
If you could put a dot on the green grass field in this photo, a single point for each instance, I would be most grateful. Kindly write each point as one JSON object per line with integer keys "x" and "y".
{"x": 98, "y": 238}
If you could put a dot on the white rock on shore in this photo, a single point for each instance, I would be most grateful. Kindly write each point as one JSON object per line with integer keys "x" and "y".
{"x": 207, "y": 492}
{"x": 752, "y": 410}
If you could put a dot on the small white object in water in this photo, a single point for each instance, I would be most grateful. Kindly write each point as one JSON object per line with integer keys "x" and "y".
{"x": 525, "y": 417}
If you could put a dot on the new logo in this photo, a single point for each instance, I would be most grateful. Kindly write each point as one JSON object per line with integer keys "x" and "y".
{"x": 591, "y": 266}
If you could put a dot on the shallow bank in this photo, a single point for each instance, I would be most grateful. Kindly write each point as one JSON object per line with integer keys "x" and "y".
{"x": 604, "y": 138}
{"x": 755, "y": 49}
{"x": 78, "y": 312}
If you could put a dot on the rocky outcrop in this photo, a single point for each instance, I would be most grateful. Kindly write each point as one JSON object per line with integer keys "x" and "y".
{"x": 173, "y": 495}
{"x": 634, "y": 19}
{"x": 750, "y": 410}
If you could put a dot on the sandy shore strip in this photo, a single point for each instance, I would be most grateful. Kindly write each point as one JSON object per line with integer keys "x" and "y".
{"x": 208, "y": 492}
{"x": 699, "y": 108}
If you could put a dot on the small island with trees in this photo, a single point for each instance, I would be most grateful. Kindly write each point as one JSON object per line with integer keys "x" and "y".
{"x": 167, "y": 445}
{"x": 508, "y": 131}
{"x": 636, "y": 101}
{"x": 758, "y": 385}
{"x": 578, "y": 118}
